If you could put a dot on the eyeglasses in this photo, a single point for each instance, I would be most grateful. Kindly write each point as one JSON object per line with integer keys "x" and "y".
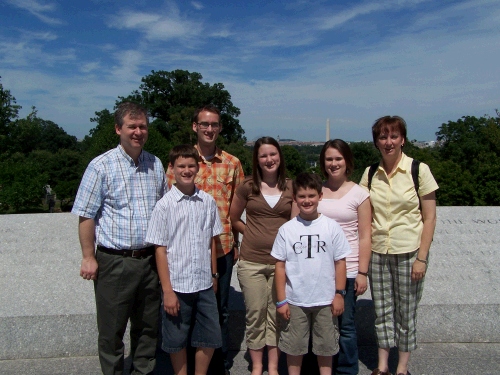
{"x": 205, "y": 125}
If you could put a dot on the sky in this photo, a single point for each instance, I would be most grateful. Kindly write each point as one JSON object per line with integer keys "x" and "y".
{"x": 288, "y": 65}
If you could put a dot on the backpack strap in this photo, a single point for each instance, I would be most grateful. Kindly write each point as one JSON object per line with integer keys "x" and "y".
{"x": 415, "y": 164}
{"x": 371, "y": 173}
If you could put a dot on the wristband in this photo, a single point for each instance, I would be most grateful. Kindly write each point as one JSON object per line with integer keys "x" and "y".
{"x": 422, "y": 260}
{"x": 363, "y": 273}
{"x": 282, "y": 303}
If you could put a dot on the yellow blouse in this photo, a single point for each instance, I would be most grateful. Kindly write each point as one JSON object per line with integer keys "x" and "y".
{"x": 397, "y": 221}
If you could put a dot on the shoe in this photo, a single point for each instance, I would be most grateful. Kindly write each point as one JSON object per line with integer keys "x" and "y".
{"x": 378, "y": 372}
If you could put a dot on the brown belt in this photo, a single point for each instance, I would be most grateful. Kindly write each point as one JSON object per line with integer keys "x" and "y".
{"x": 138, "y": 253}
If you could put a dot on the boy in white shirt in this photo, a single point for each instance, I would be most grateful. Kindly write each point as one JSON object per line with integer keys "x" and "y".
{"x": 310, "y": 278}
{"x": 183, "y": 227}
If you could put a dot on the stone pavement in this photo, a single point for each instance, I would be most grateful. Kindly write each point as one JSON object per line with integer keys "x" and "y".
{"x": 47, "y": 312}
{"x": 428, "y": 359}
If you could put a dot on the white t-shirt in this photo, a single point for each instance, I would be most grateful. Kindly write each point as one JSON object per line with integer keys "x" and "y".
{"x": 345, "y": 212}
{"x": 309, "y": 250}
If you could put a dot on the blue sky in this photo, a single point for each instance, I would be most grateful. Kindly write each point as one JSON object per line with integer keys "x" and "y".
{"x": 289, "y": 65}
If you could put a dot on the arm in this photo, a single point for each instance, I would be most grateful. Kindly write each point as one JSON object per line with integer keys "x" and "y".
{"x": 280, "y": 282}
{"x": 235, "y": 212}
{"x": 340, "y": 279}
{"x": 429, "y": 220}
{"x": 236, "y": 236}
{"x": 365, "y": 244}
{"x": 239, "y": 176}
{"x": 171, "y": 304}
{"x": 214, "y": 263}
{"x": 86, "y": 233}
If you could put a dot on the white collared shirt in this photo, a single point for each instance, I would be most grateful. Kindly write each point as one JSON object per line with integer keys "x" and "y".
{"x": 185, "y": 225}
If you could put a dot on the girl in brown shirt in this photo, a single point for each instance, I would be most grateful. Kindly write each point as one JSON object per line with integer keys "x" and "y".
{"x": 267, "y": 198}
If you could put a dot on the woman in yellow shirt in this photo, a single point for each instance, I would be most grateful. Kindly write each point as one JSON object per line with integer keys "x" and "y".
{"x": 403, "y": 225}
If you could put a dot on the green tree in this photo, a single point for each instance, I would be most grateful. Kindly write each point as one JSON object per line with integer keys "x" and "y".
{"x": 294, "y": 161}
{"x": 21, "y": 184}
{"x": 54, "y": 138}
{"x": 243, "y": 153}
{"x": 24, "y": 135}
{"x": 365, "y": 154}
{"x": 8, "y": 110}
{"x": 469, "y": 139}
{"x": 63, "y": 170}
{"x": 173, "y": 97}
{"x": 102, "y": 137}
{"x": 34, "y": 133}
{"x": 473, "y": 146}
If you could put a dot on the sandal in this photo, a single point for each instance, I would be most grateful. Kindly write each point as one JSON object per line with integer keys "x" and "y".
{"x": 378, "y": 372}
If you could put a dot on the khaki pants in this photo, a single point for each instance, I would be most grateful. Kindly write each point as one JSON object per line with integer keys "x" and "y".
{"x": 257, "y": 284}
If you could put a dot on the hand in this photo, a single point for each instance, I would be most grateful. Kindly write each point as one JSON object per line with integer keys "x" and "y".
{"x": 171, "y": 303}
{"x": 88, "y": 269}
{"x": 215, "y": 284}
{"x": 284, "y": 311}
{"x": 418, "y": 270}
{"x": 338, "y": 305}
{"x": 360, "y": 285}
{"x": 236, "y": 254}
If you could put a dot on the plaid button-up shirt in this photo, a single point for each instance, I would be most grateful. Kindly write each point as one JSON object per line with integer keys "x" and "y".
{"x": 219, "y": 177}
{"x": 120, "y": 197}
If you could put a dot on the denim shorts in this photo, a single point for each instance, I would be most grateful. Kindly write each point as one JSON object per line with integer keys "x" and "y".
{"x": 198, "y": 318}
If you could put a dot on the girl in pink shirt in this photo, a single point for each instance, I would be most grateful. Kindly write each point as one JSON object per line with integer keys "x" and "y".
{"x": 348, "y": 204}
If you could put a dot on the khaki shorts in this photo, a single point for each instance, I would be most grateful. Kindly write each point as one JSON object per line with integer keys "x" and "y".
{"x": 294, "y": 338}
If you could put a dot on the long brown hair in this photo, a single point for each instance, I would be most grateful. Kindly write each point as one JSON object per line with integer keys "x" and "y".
{"x": 257, "y": 172}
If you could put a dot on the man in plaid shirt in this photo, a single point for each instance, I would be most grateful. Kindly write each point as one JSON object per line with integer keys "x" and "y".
{"x": 114, "y": 202}
{"x": 219, "y": 175}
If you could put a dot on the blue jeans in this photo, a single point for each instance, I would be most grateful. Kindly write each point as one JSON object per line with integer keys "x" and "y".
{"x": 347, "y": 358}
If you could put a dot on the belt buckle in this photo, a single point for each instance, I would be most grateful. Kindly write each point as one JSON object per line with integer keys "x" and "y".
{"x": 136, "y": 253}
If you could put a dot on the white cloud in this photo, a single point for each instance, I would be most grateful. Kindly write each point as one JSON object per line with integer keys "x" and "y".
{"x": 157, "y": 26}
{"x": 26, "y": 53}
{"x": 45, "y": 36}
{"x": 197, "y": 5}
{"x": 90, "y": 67}
{"x": 128, "y": 67}
{"x": 68, "y": 101}
{"x": 38, "y": 9}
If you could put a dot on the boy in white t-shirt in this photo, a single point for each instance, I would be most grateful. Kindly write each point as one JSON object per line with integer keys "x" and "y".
{"x": 310, "y": 278}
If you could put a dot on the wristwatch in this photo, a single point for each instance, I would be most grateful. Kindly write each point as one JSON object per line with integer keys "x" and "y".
{"x": 215, "y": 275}
{"x": 236, "y": 243}
{"x": 342, "y": 292}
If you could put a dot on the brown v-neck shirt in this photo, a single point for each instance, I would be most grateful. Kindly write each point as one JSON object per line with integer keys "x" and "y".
{"x": 262, "y": 222}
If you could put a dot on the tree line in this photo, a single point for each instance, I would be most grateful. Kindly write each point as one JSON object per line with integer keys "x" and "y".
{"x": 35, "y": 152}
